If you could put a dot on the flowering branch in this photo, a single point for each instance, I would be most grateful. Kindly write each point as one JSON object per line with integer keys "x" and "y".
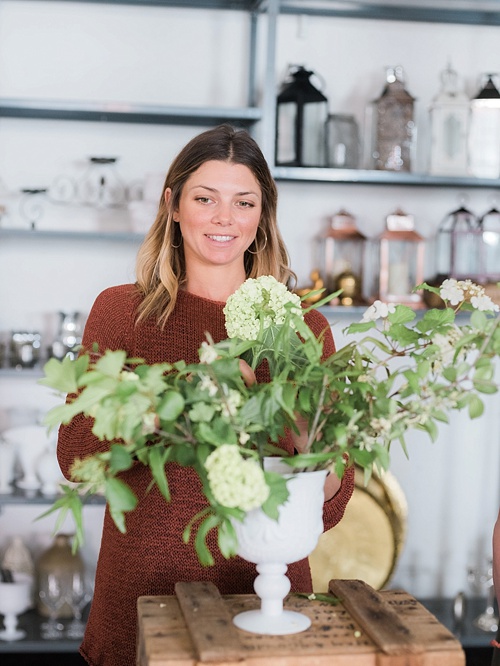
{"x": 404, "y": 373}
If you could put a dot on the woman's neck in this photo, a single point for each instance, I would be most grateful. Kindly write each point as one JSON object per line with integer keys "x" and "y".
{"x": 216, "y": 284}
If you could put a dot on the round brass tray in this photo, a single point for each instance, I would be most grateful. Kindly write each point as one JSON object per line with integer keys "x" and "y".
{"x": 368, "y": 541}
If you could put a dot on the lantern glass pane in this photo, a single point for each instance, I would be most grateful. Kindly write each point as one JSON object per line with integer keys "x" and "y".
{"x": 314, "y": 134}
{"x": 402, "y": 269}
{"x": 287, "y": 119}
{"x": 491, "y": 245}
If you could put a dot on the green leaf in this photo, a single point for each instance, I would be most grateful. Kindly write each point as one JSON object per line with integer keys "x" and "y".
{"x": 64, "y": 375}
{"x": 360, "y": 327}
{"x": 200, "y": 543}
{"x": 112, "y": 363}
{"x": 402, "y": 334}
{"x": 120, "y": 459}
{"x": 120, "y": 499}
{"x": 227, "y": 539}
{"x": 317, "y": 596}
{"x": 401, "y": 315}
{"x": 171, "y": 406}
{"x": 70, "y": 501}
{"x": 278, "y": 495}
{"x": 157, "y": 457}
{"x": 476, "y": 406}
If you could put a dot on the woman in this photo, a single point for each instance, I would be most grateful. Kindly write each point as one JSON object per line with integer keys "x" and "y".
{"x": 216, "y": 226}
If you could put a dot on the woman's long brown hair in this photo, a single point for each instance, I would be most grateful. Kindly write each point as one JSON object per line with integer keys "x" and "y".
{"x": 160, "y": 266}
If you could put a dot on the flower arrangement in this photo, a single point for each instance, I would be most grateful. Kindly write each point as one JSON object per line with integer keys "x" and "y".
{"x": 400, "y": 372}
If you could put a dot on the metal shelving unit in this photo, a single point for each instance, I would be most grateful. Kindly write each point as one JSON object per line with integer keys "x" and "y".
{"x": 466, "y": 12}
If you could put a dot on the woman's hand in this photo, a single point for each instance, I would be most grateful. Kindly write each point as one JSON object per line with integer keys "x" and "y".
{"x": 248, "y": 374}
{"x": 300, "y": 439}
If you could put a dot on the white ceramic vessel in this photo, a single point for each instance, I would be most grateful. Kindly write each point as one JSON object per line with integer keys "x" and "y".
{"x": 29, "y": 442}
{"x": 272, "y": 545}
{"x": 15, "y": 598}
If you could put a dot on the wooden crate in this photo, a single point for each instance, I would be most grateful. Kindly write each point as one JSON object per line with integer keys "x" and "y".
{"x": 366, "y": 628}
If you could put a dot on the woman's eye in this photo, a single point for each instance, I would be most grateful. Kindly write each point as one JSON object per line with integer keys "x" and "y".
{"x": 203, "y": 199}
{"x": 246, "y": 204}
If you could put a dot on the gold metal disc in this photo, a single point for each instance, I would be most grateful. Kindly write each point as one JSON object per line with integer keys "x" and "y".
{"x": 368, "y": 541}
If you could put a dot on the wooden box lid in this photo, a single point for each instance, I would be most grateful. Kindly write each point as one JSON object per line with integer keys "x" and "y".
{"x": 366, "y": 628}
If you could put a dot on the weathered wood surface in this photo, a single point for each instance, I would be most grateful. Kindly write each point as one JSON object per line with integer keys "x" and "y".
{"x": 209, "y": 622}
{"x": 380, "y": 621}
{"x": 335, "y": 637}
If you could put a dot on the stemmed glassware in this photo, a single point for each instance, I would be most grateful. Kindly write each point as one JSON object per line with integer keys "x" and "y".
{"x": 53, "y": 594}
{"x": 78, "y": 594}
{"x": 488, "y": 619}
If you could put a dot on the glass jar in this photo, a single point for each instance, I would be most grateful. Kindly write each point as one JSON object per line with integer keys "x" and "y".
{"x": 342, "y": 141}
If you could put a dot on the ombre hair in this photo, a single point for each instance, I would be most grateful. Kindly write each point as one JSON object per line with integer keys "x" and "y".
{"x": 161, "y": 266}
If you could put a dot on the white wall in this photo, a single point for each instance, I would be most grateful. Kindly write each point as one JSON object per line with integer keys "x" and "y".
{"x": 80, "y": 51}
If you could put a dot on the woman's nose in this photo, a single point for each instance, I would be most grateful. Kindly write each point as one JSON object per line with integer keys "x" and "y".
{"x": 223, "y": 215}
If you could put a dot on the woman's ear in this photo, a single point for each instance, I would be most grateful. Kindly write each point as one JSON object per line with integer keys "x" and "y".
{"x": 168, "y": 197}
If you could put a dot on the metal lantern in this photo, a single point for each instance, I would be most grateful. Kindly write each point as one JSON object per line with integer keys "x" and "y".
{"x": 401, "y": 256}
{"x": 449, "y": 116}
{"x": 484, "y": 132}
{"x": 342, "y": 257}
{"x": 302, "y": 111}
{"x": 459, "y": 242}
{"x": 489, "y": 225}
{"x": 393, "y": 125}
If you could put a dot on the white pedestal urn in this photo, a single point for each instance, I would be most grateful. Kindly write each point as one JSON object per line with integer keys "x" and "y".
{"x": 272, "y": 545}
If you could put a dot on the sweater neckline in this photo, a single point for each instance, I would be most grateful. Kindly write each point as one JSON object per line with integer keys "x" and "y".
{"x": 187, "y": 295}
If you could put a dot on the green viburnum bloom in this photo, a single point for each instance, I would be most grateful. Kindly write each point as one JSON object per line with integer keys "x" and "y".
{"x": 234, "y": 481}
{"x": 401, "y": 371}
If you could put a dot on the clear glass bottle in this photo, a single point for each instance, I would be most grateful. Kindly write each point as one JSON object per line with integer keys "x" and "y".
{"x": 59, "y": 562}
{"x": 393, "y": 130}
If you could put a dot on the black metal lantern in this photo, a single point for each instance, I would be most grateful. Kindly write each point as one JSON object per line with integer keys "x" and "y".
{"x": 459, "y": 246}
{"x": 302, "y": 111}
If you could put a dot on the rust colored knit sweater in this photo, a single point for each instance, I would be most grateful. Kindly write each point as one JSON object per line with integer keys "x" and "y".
{"x": 151, "y": 557}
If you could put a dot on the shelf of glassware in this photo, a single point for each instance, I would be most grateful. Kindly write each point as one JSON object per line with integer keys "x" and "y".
{"x": 369, "y": 177}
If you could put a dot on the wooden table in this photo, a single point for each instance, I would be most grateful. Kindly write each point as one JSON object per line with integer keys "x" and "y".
{"x": 366, "y": 628}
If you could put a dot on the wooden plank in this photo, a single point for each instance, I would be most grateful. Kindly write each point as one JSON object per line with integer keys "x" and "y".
{"x": 209, "y": 622}
{"x": 379, "y": 621}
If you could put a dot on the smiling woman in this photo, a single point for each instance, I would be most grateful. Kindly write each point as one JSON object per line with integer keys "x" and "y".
{"x": 215, "y": 228}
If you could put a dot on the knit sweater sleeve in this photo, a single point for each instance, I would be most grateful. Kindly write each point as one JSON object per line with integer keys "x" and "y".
{"x": 110, "y": 325}
{"x": 333, "y": 509}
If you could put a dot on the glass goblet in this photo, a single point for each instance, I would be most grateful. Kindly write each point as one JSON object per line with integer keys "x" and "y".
{"x": 78, "y": 594}
{"x": 51, "y": 591}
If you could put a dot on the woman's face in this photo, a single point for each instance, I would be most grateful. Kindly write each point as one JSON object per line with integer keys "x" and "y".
{"x": 219, "y": 213}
